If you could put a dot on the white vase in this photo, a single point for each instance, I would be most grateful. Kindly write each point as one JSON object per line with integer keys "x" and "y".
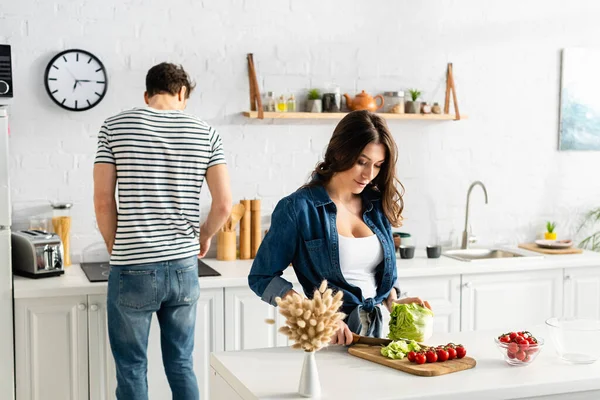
{"x": 310, "y": 386}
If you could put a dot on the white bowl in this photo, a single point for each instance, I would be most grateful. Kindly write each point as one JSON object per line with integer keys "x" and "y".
{"x": 576, "y": 340}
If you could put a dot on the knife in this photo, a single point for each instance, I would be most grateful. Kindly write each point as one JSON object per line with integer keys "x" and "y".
{"x": 371, "y": 341}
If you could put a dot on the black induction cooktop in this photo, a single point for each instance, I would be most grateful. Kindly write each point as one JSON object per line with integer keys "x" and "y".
{"x": 98, "y": 271}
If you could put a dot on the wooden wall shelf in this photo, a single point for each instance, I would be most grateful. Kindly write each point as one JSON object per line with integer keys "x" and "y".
{"x": 257, "y": 112}
{"x": 307, "y": 115}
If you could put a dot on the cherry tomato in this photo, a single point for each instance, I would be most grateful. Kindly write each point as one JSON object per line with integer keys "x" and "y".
{"x": 513, "y": 348}
{"x": 431, "y": 356}
{"x": 411, "y": 356}
{"x": 520, "y": 355}
{"x": 504, "y": 339}
{"x": 513, "y": 335}
{"x": 451, "y": 353}
{"x": 510, "y": 355}
{"x": 527, "y": 358}
{"x": 420, "y": 358}
{"x": 531, "y": 340}
{"x": 460, "y": 351}
{"x": 442, "y": 355}
{"x": 523, "y": 344}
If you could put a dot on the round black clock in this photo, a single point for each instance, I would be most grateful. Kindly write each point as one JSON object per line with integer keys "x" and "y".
{"x": 76, "y": 80}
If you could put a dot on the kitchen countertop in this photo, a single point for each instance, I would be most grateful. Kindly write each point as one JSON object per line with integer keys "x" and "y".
{"x": 274, "y": 373}
{"x": 235, "y": 273}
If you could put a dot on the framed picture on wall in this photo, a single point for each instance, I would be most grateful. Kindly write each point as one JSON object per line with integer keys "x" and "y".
{"x": 580, "y": 99}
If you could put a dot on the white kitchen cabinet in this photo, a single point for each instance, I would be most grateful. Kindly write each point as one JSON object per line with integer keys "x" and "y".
{"x": 511, "y": 300}
{"x": 442, "y": 293}
{"x": 209, "y": 337}
{"x": 582, "y": 292}
{"x": 51, "y": 347}
{"x": 245, "y": 321}
{"x": 63, "y": 340}
{"x": 103, "y": 380}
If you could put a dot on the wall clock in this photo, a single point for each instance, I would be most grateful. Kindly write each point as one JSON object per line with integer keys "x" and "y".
{"x": 76, "y": 80}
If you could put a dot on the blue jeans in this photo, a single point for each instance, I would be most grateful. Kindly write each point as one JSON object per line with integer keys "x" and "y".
{"x": 135, "y": 292}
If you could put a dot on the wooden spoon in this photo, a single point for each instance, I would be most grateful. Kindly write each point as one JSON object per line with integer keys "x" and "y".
{"x": 237, "y": 212}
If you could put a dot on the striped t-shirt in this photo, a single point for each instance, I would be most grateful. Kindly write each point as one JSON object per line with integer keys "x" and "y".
{"x": 161, "y": 158}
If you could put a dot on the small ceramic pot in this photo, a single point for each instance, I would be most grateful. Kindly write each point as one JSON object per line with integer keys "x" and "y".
{"x": 407, "y": 252}
{"x": 314, "y": 106}
{"x": 434, "y": 251}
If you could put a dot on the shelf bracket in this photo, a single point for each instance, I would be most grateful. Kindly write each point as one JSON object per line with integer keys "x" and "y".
{"x": 450, "y": 87}
{"x": 255, "y": 100}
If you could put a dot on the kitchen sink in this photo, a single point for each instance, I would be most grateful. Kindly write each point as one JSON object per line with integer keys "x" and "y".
{"x": 487, "y": 254}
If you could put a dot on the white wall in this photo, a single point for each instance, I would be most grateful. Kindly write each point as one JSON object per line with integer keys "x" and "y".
{"x": 507, "y": 64}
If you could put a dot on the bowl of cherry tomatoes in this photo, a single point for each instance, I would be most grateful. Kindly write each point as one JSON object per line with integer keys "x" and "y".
{"x": 519, "y": 348}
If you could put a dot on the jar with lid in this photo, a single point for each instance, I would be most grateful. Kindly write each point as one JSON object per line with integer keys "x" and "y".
{"x": 394, "y": 102}
{"x": 269, "y": 104}
{"x": 61, "y": 223}
{"x": 281, "y": 104}
{"x": 291, "y": 104}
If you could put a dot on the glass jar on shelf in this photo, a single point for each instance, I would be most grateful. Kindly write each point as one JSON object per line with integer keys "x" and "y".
{"x": 269, "y": 103}
{"x": 394, "y": 102}
{"x": 281, "y": 104}
{"x": 61, "y": 224}
{"x": 291, "y": 104}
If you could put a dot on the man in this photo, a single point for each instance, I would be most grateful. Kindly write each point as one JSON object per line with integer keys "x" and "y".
{"x": 160, "y": 157}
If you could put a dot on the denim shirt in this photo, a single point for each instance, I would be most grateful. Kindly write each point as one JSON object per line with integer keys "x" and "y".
{"x": 303, "y": 232}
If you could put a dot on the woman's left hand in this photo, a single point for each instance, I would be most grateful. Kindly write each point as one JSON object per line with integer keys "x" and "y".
{"x": 407, "y": 300}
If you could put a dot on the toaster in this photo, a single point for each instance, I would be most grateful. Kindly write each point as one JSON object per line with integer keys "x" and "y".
{"x": 37, "y": 254}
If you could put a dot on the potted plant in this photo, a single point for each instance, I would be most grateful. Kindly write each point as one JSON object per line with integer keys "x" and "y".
{"x": 314, "y": 103}
{"x": 591, "y": 242}
{"x": 412, "y": 107}
{"x": 550, "y": 234}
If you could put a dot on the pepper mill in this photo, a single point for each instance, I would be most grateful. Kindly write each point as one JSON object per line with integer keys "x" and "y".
{"x": 255, "y": 226}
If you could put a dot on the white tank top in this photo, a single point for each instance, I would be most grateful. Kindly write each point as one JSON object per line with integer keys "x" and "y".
{"x": 358, "y": 259}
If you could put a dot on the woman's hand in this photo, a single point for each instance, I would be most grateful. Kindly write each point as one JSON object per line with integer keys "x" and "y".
{"x": 410, "y": 300}
{"x": 343, "y": 335}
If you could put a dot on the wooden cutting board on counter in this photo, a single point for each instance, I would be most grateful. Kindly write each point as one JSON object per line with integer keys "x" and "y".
{"x": 373, "y": 353}
{"x": 536, "y": 248}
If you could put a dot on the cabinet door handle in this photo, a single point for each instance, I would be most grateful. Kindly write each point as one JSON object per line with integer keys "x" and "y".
{"x": 567, "y": 278}
{"x": 468, "y": 285}
{"x": 94, "y": 307}
{"x": 82, "y": 306}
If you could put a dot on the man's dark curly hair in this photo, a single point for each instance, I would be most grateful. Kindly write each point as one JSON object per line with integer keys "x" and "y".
{"x": 168, "y": 78}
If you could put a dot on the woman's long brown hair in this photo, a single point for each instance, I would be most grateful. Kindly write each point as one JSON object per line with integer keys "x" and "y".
{"x": 353, "y": 133}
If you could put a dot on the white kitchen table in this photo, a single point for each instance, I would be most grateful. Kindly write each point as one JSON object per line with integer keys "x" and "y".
{"x": 274, "y": 374}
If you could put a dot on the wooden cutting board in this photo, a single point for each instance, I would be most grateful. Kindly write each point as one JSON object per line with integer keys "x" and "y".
{"x": 535, "y": 247}
{"x": 373, "y": 353}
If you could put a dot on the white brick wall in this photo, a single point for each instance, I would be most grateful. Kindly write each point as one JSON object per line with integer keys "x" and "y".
{"x": 507, "y": 65}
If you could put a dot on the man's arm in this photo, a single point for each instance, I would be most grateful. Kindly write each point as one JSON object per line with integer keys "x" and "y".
{"x": 217, "y": 178}
{"x": 105, "y": 182}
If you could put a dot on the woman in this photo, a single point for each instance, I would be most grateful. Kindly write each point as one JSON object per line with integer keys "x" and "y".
{"x": 338, "y": 228}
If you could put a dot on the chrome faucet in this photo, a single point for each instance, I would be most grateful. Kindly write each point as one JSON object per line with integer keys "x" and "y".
{"x": 466, "y": 238}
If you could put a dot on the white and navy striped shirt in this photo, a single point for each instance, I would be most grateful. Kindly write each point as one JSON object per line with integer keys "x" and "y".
{"x": 161, "y": 158}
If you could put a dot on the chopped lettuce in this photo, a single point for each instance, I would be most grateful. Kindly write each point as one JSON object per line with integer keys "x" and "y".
{"x": 398, "y": 349}
{"x": 410, "y": 321}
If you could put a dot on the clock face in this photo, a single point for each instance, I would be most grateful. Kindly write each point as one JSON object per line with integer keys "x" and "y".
{"x": 76, "y": 80}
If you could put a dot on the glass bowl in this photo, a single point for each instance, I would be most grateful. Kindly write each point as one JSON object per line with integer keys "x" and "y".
{"x": 577, "y": 341}
{"x": 514, "y": 354}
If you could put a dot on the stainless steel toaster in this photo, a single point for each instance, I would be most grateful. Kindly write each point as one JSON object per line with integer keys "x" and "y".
{"x": 36, "y": 254}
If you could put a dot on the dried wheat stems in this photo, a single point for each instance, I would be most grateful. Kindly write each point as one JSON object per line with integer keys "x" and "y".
{"x": 311, "y": 323}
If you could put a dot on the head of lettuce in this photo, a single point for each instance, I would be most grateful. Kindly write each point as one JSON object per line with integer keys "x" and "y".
{"x": 411, "y": 321}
